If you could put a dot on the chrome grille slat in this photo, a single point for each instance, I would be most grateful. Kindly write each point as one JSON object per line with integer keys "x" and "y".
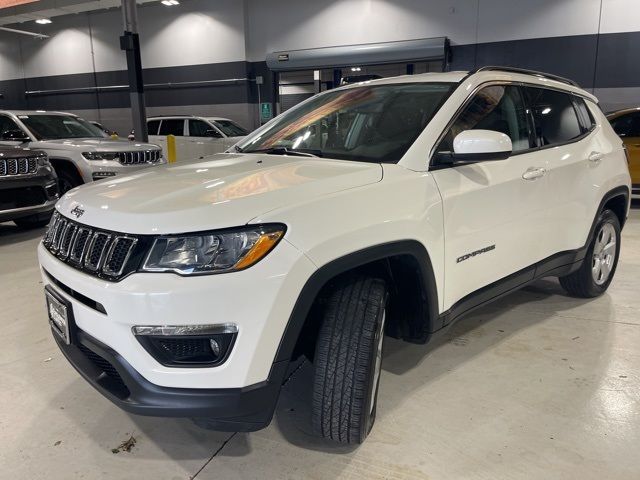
{"x": 96, "y": 252}
{"x": 139, "y": 157}
{"x": 18, "y": 166}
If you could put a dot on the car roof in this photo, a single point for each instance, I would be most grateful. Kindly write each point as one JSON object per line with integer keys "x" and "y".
{"x": 36, "y": 112}
{"x": 478, "y": 77}
{"x": 186, "y": 117}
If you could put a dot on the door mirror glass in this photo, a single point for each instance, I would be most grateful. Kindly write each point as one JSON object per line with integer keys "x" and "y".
{"x": 473, "y": 146}
{"x": 15, "y": 136}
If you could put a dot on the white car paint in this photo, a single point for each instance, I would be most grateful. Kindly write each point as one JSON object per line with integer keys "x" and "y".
{"x": 70, "y": 150}
{"x": 333, "y": 208}
{"x": 190, "y": 147}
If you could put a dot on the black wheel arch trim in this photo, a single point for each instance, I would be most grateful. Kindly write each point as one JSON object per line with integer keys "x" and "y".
{"x": 349, "y": 262}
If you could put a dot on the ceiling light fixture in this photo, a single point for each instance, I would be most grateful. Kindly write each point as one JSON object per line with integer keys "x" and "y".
{"x": 43, "y": 21}
{"x": 170, "y": 3}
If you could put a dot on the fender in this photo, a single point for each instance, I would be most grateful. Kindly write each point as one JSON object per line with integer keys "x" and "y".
{"x": 344, "y": 264}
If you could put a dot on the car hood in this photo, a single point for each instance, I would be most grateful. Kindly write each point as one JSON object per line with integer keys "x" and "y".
{"x": 225, "y": 190}
{"x": 93, "y": 145}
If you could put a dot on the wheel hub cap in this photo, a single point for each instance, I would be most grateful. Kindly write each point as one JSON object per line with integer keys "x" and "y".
{"x": 604, "y": 254}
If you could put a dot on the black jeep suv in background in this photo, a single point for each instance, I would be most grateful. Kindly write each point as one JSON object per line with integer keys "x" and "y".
{"x": 28, "y": 187}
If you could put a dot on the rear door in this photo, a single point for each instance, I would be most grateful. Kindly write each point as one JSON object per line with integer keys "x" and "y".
{"x": 564, "y": 131}
{"x": 204, "y": 139}
{"x": 494, "y": 220}
{"x": 627, "y": 126}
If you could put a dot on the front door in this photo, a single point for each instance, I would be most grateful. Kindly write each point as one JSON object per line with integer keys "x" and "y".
{"x": 493, "y": 215}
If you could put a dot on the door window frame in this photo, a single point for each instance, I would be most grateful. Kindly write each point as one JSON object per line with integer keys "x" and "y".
{"x": 433, "y": 165}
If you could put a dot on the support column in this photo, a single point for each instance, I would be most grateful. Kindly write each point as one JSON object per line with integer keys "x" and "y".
{"x": 130, "y": 43}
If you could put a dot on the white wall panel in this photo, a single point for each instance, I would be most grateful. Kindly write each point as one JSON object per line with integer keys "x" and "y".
{"x": 67, "y": 51}
{"x": 106, "y": 28}
{"x": 197, "y": 32}
{"x": 10, "y": 62}
{"x": 620, "y": 16}
{"x": 501, "y": 20}
{"x": 293, "y": 24}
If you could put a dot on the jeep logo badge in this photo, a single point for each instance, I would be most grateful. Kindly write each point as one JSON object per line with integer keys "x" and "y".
{"x": 77, "y": 211}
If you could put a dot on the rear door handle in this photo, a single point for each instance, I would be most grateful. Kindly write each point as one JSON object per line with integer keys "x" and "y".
{"x": 595, "y": 157}
{"x": 533, "y": 173}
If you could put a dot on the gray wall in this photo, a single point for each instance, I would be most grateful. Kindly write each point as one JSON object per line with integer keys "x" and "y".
{"x": 596, "y": 42}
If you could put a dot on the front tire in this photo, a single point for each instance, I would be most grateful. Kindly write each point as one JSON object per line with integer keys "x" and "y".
{"x": 599, "y": 266}
{"x": 348, "y": 360}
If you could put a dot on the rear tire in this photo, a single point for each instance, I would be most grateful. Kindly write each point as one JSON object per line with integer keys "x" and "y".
{"x": 38, "y": 220}
{"x": 348, "y": 360}
{"x": 599, "y": 266}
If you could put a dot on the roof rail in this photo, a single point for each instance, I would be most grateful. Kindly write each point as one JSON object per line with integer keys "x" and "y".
{"x": 527, "y": 72}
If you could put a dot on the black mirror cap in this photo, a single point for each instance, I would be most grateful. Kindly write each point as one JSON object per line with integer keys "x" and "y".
{"x": 451, "y": 158}
{"x": 15, "y": 136}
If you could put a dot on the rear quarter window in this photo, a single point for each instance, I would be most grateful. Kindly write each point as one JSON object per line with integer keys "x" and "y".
{"x": 555, "y": 117}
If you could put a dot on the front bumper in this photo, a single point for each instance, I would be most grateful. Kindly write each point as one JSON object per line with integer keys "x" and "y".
{"x": 235, "y": 409}
{"x": 258, "y": 300}
{"x": 22, "y": 196}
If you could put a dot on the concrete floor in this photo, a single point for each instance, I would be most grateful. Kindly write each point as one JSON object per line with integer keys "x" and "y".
{"x": 535, "y": 386}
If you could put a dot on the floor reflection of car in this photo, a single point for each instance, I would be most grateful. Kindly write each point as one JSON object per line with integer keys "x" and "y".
{"x": 195, "y": 136}
{"x": 626, "y": 124}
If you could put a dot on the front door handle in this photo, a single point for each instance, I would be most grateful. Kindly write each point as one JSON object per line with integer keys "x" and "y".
{"x": 595, "y": 157}
{"x": 534, "y": 173}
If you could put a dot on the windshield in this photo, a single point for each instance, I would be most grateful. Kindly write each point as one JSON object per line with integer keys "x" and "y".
{"x": 230, "y": 129}
{"x": 376, "y": 123}
{"x": 57, "y": 127}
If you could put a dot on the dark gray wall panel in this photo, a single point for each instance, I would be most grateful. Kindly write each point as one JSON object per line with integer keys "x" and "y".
{"x": 572, "y": 57}
{"x": 619, "y": 60}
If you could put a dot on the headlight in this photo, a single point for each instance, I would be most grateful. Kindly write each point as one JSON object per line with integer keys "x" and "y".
{"x": 213, "y": 252}
{"x": 101, "y": 155}
{"x": 43, "y": 161}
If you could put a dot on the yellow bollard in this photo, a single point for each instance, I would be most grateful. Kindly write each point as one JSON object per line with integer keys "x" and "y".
{"x": 171, "y": 148}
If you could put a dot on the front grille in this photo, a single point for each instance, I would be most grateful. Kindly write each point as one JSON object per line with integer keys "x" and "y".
{"x": 109, "y": 255}
{"x": 139, "y": 157}
{"x": 17, "y": 166}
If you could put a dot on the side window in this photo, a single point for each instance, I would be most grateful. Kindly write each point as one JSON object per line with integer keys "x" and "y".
{"x": 198, "y": 128}
{"x": 554, "y": 116}
{"x": 6, "y": 125}
{"x": 586, "y": 119}
{"x": 627, "y": 125}
{"x": 172, "y": 126}
{"x": 500, "y": 108}
{"x": 152, "y": 126}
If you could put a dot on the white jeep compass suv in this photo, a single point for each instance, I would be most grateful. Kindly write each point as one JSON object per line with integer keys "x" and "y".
{"x": 79, "y": 151}
{"x": 388, "y": 208}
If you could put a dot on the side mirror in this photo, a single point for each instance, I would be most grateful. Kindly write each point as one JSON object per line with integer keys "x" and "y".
{"x": 15, "y": 136}
{"x": 473, "y": 146}
{"x": 212, "y": 133}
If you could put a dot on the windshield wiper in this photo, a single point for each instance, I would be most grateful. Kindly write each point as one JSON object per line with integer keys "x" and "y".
{"x": 287, "y": 151}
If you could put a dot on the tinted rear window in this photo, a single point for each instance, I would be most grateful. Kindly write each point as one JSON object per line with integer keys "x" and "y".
{"x": 555, "y": 117}
{"x": 172, "y": 127}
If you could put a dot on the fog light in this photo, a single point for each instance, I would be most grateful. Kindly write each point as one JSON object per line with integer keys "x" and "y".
{"x": 187, "y": 345}
{"x": 101, "y": 175}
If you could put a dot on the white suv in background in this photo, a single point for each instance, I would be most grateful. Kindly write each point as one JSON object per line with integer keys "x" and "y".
{"x": 79, "y": 151}
{"x": 387, "y": 208}
{"x": 196, "y": 137}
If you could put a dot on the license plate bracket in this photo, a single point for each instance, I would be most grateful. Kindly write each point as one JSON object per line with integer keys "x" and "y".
{"x": 60, "y": 314}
